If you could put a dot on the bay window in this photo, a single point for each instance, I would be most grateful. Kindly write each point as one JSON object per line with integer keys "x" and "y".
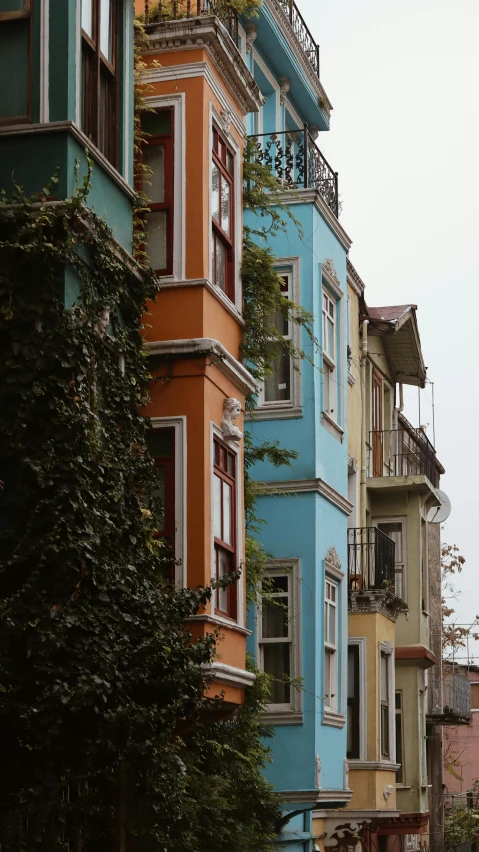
{"x": 222, "y": 215}
{"x": 15, "y": 70}
{"x": 331, "y": 646}
{"x": 395, "y": 529}
{"x": 100, "y": 75}
{"x": 224, "y": 527}
{"x": 158, "y": 184}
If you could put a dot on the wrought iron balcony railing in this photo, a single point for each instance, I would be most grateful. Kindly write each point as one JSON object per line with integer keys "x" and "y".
{"x": 297, "y": 162}
{"x": 302, "y": 33}
{"x": 159, "y": 11}
{"x": 371, "y": 555}
{"x": 402, "y": 452}
{"x": 451, "y": 697}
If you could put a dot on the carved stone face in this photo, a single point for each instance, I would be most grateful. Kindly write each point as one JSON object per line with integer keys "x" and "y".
{"x": 102, "y": 322}
{"x": 232, "y": 408}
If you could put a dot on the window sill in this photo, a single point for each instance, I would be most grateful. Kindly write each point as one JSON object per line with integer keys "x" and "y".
{"x": 351, "y": 379}
{"x": 335, "y": 720}
{"x": 329, "y": 361}
{"x": 332, "y": 427}
{"x": 282, "y": 717}
{"x": 285, "y": 413}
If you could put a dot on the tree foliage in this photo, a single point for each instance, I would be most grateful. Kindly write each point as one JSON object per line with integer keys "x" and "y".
{"x": 454, "y": 635}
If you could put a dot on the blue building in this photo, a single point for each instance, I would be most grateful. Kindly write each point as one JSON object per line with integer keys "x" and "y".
{"x": 304, "y": 407}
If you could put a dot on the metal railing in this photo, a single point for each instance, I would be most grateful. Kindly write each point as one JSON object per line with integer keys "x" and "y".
{"x": 160, "y": 11}
{"x": 297, "y": 162}
{"x": 371, "y": 555}
{"x": 402, "y": 452}
{"x": 450, "y": 696}
{"x": 302, "y": 33}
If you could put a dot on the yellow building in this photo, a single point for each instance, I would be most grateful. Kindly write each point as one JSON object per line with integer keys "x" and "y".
{"x": 393, "y": 481}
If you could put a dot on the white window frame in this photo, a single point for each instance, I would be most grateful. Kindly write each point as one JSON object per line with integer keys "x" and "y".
{"x": 284, "y": 409}
{"x": 399, "y": 712}
{"x": 178, "y": 424}
{"x": 288, "y": 713}
{"x": 360, "y": 642}
{"x": 387, "y": 650}
{"x": 331, "y": 650}
{"x": 400, "y": 519}
{"x": 215, "y": 432}
{"x": 330, "y": 360}
{"x": 179, "y": 166}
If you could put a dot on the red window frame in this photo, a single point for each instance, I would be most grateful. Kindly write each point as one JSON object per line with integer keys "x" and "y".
{"x": 100, "y": 85}
{"x": 221, "y": 456}
{"x": 167, "y": 206}
{"x": 167, "y": 462}
{"x": 223, "y": 155}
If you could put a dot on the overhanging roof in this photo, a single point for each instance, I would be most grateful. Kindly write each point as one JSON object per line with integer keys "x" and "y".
{"x": 397, "y": 325}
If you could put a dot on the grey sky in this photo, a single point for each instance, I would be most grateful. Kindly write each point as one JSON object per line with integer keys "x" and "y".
{"x": 403, "y": 77}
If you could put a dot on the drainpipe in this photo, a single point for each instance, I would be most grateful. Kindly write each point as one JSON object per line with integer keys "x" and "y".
{"x": 364, "y": 361}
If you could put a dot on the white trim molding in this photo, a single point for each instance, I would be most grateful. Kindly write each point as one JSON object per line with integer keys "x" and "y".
{"x": 44, "y": 60}
{"x": 360, "y": 642}
{"x": 307, "y": 486}
{"x": 167, "y": 282}
{"x": 179, "y": 175}
{"x": 228, "y": 675}
{"x": 178, "y": 424}
{"x": 376, "y": 765}
{"x": 206, "y": 347}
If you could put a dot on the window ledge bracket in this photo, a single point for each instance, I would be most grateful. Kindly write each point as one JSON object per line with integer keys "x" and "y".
{"x": 335, "y": 720}
{"x": 332, "y": 427}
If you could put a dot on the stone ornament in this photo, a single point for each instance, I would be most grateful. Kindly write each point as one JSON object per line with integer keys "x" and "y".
{"x": 318, "y": 772}
{"x": 388, "y": 791}
{"x": 225, "y": 120}
{"x": 284, "y": 87}
{"x": 346, "y": 774}
{"x": 332, "y": 558}
{"x": 231, "y": 410}
{"x": 251, "y": 36}
{"x": 330, "y": 269}
{"x": 101, "y": 325}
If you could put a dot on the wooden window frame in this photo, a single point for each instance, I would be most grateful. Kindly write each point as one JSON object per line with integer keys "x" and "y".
{"x": 167, "y": 462}
{"x": 217, "y": 231}
{"x": 354, "y": 702}
{"x": 95, "y": 68}
{"x": 24, "y": 14}
{"x": 219, "y": 544}
{"x": 168, "y": 205}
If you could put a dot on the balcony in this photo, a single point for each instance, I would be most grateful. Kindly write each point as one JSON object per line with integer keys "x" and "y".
{"x": 162, "y": 11}
{"x": 297, "y": 162}
{"x": 451, "y": 697}
{"x": 370, "y": 559}
{"x": 403, "y": 452}
{"x": 302, "y": 33}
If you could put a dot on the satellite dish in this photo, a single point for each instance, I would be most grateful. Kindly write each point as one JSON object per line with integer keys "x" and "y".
{"x": 438, "y": 514}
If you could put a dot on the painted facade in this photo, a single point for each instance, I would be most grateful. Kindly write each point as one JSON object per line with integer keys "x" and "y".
{"x": 304, "y": 506}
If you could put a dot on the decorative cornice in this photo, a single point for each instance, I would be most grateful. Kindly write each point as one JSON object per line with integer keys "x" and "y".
{"x": 307, "y": 486}
{"x": 313, "y": 196}
{"x": 285, "y": 26}
{"x": 209, "y": 34}
{"x": 206, "y": 347}
{"x": 328, "y": 270}
{"x": 381, "y": 601}
{"x": 228, "y": 675}
{"x": 354, "y": 280}
{"x": 333, "y": 720}
{"x": 85, "y": 142}
{"x": 282, "y": 718}
{"x": 333, "y": 796}
{"x": 219, "y": 622}
{"x": 332, "y": 559}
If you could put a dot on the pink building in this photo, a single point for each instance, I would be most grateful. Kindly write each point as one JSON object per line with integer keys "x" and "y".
{"x": 461, "y": 744}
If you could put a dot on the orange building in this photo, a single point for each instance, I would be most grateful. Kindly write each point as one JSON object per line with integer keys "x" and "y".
{"x": 198, "y": 94}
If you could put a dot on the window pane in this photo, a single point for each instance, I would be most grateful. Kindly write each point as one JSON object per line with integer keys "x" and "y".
{"x": 277, "y": 385}
{"x": 217, "y": 482}
{"x": 106, "y": 45}
{"x": 160, "y": 442}
{"x": 220, "y": 277}
{"x": 327, "y": 678}
{"x": 155, "y": 234}
{"x": 223, "y": 568}
{"x": 352, "y": 685}
{"x": 394, "y": 531}
{"x": 399, "y": 757}
{"x": 229, "y": 162}
{"x": 227, "y": 510}
{"x": 332, "y": 626}
{"x": 87, "y": 16}
{"x": 384, "y": 678}
{"x": 226, "y": 207}
{"x": 215, "y": 193}
{"x": 279, "y": 585}
{"x": 231, "y": 464}
{"x": 276, "y": 663}
{"x": 157, "y": 123}
{"x": 384, "y": 729}
{"x": 160, "y": 492}
{"x": 275, "y": 621}
{"x": 154, "y": 158}
{"x": 107, "y": 133}
{"x": 330, "y": 339}
{"x": 14, "y": 62}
